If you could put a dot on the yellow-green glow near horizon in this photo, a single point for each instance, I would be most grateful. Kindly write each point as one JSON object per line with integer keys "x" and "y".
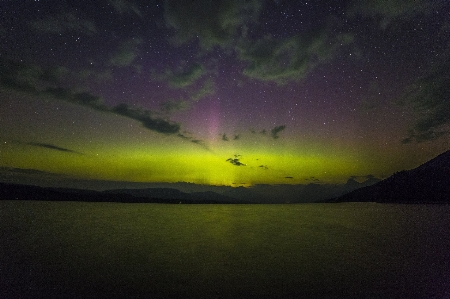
{"x": 187, "y": 162}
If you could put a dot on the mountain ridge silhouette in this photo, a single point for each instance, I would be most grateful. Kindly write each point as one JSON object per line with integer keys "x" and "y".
{"x": 427, "y": 183}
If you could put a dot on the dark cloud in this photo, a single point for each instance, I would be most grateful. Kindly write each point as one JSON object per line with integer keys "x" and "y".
{"x": 5, "y": 171}
{"x": 53, "y": 147}
{"x": 32, "y": 79}
{"x": 54, "y": 74}
{"x": 314, "y": 179}
{"x": 263, "y": 166}
{"x": 225, "y": 23}
{"x": 236, "y": 161}
{"x": 275, "y": 131}
{"x": 21, "y": 77}
{"x": 148, "y": 121}
{"x": 430, "y": 97}
{"x": 285, "y": 59}
{"x": 226, "y": 138}
{"x": 29, "y": 79}
{"x": 83, "y": 98}
{"x": 20, "y": 170}
{"x": 28, "y": 176}
{"x": 193, "y": 140}
{"x": 202, "y": 144}
{"x": 126, "y": 53}
{"x": 271, "y": 57}
{"x": 211, "y": 22}
{"x": 288, "y": 177}
{"x": 64, "y": 23}
{"x": 262, "y": 132}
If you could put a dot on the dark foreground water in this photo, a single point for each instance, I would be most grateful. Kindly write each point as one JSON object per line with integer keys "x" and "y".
{"x": 107, "y": 250}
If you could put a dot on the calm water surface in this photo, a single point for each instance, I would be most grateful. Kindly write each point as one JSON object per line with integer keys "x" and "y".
{"x": 349, "y": 250}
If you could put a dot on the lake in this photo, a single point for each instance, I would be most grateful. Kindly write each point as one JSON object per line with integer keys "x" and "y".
{"x": 115, "y": 250}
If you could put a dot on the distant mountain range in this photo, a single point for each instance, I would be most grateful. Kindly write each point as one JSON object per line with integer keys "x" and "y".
{"x": 158, "y": 195}
{"x": 428, "y": 183}
{"x": 171, "y": 195}
{"x": 192, "y": 193}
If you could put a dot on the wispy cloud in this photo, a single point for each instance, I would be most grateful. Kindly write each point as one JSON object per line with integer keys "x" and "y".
{"x": 213, "y": 23}
{"x": 124, "y": 7}
{"x": 290, "y": 59}
{"x": 275, "y": 131}
{"x": 207, "y": 89}
{"x": 185, "y": 102}
{"x": 53, "y": 147}
{"x": 19, "y": 77}
{"x": 184, "y": 76}
{"x": 278, "y": 59}
{"x": 314, "y": 179}
{"x": 199, "y": 142}
{"x": 225, "y": 24}
{"x": 385, "y": 12}
{"x": 126, "y": 53}
{"x": 430, "y": 97}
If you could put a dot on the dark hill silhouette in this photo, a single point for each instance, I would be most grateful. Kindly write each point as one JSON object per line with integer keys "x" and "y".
{"x": 176, "y": 195}
{"x": 27, "y": 192}
{"x": 352, "y": 183}
{"x": 163, "y": 193}
{"x": 428, "y": 183}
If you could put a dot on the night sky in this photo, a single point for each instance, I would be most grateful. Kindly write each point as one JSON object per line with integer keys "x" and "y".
{"x": 223, "y": 92}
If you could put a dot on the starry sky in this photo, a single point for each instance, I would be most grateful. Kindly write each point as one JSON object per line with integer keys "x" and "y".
{"x": 233, "y": 93}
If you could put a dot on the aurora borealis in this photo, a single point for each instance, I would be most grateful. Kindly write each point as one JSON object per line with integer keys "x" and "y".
{"x": 223, "y": 92}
